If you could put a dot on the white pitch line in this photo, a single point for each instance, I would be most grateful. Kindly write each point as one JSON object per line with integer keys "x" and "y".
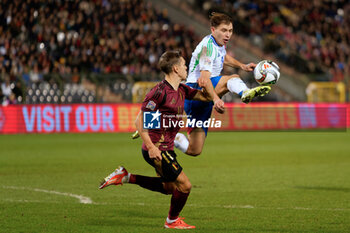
{"x": 193, "y": 205}
{"x": 87, "y": 200}
{"x": 81, "y": 198}
{"x": 28, "y": 201}
{"x": 224, "y": 206}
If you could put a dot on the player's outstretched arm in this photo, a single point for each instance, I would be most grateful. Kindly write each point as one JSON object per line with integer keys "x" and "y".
{"x": 153, "y": 151}
{"x": 230, "y": 61}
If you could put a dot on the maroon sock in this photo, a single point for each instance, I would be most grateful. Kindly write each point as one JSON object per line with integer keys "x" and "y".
{"x": 178, "y": 201}
{"x": 150, "y": 183}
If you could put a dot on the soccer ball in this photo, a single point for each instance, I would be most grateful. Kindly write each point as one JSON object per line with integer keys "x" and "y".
{"x": 267, "y": 72}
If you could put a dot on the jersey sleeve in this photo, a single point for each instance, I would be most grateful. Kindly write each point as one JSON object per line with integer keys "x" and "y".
{"x": 206, "y": 57}
{"x": 152, "y": 100}
{"x": 189, "y": 91}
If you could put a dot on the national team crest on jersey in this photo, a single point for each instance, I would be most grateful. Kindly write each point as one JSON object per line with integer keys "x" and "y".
{"x": 151, "y": 120}
{"x": 206, "y": 61}
{"x": 151, "y": 105}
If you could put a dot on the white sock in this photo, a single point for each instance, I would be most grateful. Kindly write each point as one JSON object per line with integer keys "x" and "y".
{"x": 236, "y": 85}
{"x": 126, "y": 179}
{"x": 170, "y": 221}
{"x": 181, "y": 142}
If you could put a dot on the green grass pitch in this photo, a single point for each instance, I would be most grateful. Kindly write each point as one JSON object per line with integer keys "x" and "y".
{"x": 242, "y": 182}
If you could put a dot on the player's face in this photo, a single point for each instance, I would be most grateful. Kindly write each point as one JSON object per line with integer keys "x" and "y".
{"x": 222, "y": 33}
{"x": 182, "y": 69}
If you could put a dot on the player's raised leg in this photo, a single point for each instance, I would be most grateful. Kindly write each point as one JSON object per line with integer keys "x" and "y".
{"x": 234, "y": 84}
{"x": 181, "y": 142}
{"x": 196, "y": 111}
{"x": 117, "y": 177}
{"x": 179, "y": 188}
{"x": 223, "y": 85}
{"x": 196, "y": 141}
{"x": 250, "y": 94}
{"x": 121, "y": 176}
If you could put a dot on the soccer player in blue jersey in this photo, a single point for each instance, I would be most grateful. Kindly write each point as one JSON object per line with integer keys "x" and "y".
{"x": 204, "y": 72}
{"x": 207, "y": 62}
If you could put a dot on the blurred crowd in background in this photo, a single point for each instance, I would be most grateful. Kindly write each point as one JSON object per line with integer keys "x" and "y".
{"x": 313, "y": 36}
{"x": 126, "y": 37}
{"x": 38, "y": 38}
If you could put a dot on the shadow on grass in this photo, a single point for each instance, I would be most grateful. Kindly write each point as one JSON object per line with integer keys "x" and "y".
{"x": 132, "y": 218}
{"x": 338, "y": 189}
{"x": 125, "y": 223}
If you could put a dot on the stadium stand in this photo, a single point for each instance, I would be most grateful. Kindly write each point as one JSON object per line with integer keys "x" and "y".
{"x": 68, "y": 38}
{"x": 94, "y": 51}
{"x": 255, "y": 24}
{"x": 312, "y": 36}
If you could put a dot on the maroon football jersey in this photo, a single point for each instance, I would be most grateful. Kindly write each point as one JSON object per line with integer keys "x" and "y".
{"x": 170, "y": 104}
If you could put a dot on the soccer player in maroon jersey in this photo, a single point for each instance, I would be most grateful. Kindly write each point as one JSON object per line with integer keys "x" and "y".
{"x": 166, "y": 99}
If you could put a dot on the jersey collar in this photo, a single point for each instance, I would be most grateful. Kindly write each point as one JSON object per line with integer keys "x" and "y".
{"x": 212, "y": 37}
{"x": 167, "y": 83}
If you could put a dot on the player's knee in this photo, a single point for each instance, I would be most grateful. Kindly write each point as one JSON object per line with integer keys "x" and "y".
{"x": 194, "y": 152}
{"x": 229, "y": 77}
{"x": 185, "y": 187}
{"x": 169, "y": 188}
{"x": 188, "y": 187}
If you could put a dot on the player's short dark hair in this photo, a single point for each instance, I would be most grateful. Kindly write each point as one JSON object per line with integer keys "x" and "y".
{"x": 218, "y": 18}
{"x": 168, "y": 60}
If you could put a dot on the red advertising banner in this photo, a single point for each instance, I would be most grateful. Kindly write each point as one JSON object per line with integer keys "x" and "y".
{"x": 284, "y": 116}
{"x": 45, "y": 118}
{"x": 81, "y": 118}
